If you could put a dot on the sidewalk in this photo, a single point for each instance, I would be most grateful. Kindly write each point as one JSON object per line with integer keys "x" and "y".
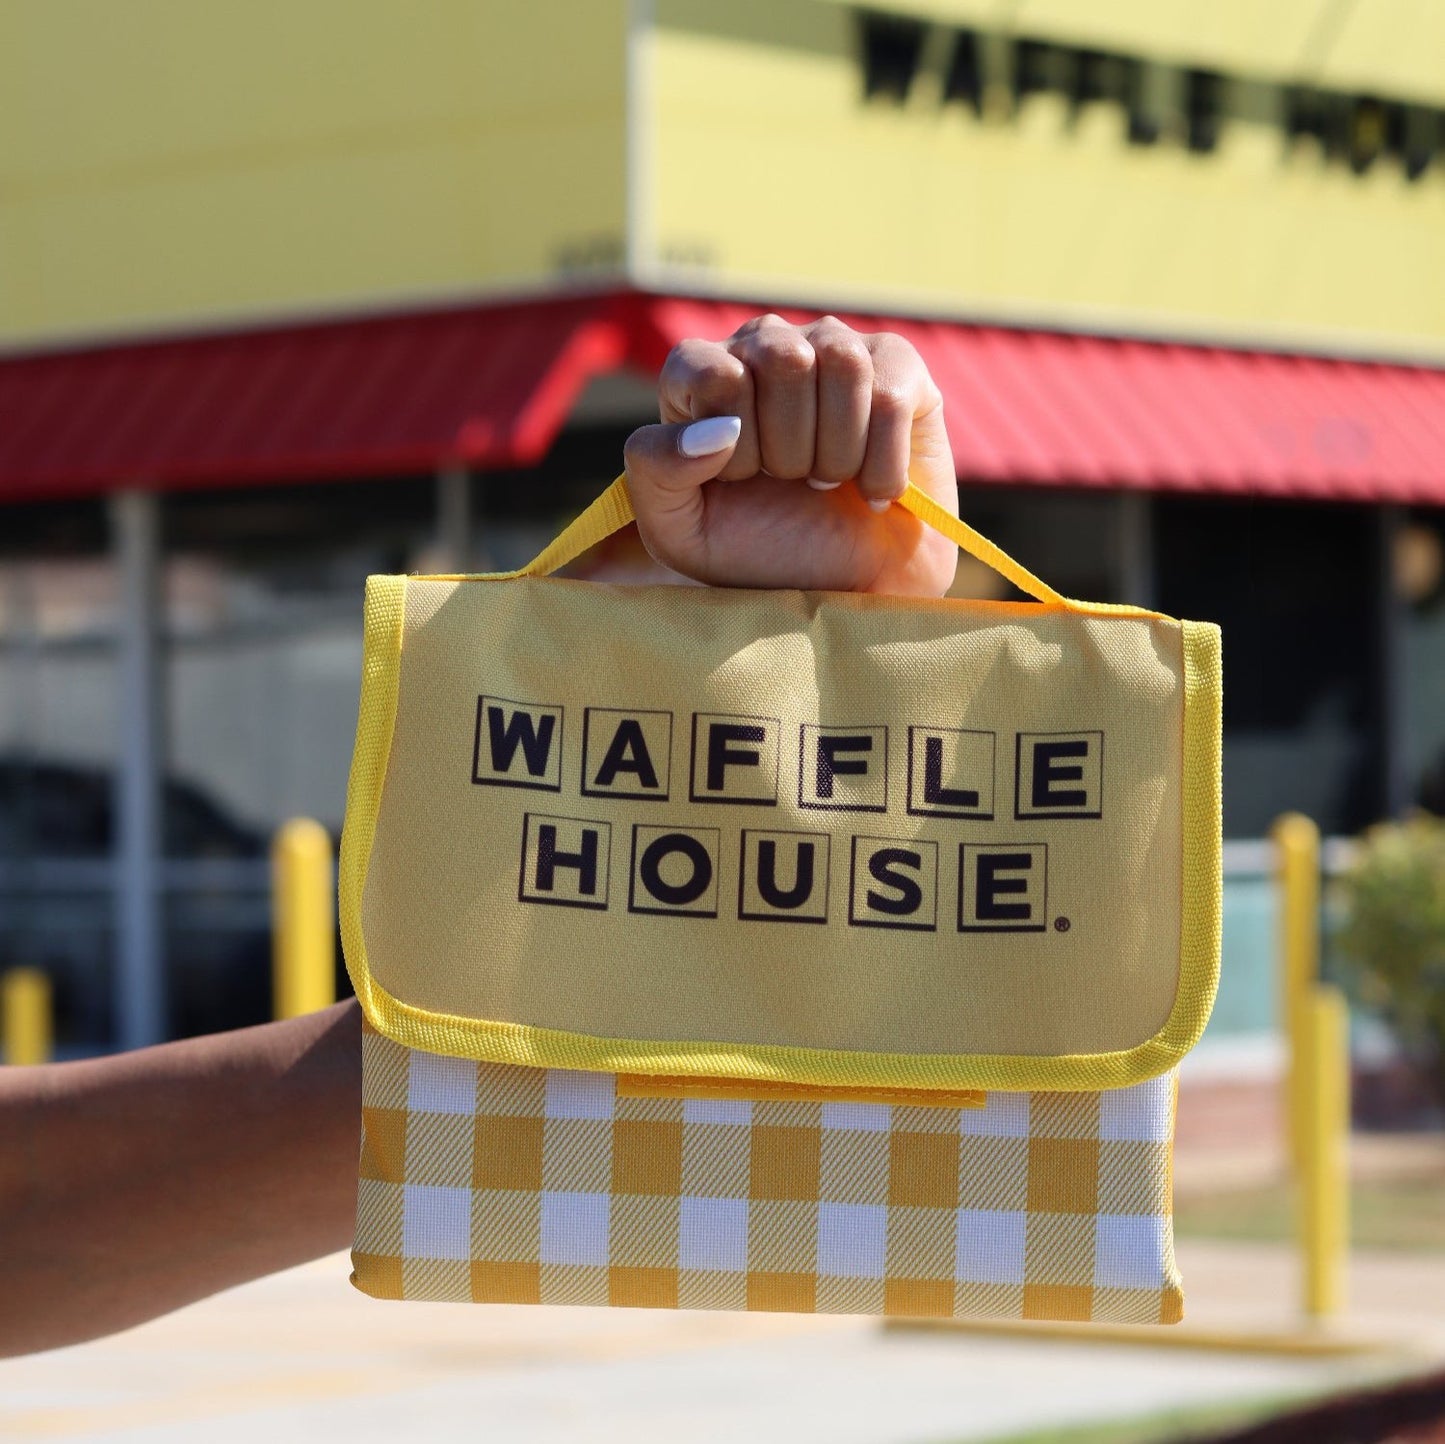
{"x": 302, "y": 1356}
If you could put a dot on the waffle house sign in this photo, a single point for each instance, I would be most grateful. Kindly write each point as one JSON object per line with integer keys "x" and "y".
{"x": 711, "y": 842}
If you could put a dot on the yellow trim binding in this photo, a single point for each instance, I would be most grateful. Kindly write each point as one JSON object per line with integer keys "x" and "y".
{"x": 380, "y": 680}
{"x": 754, "y": 1063}
{"x": 642, "y": 1085}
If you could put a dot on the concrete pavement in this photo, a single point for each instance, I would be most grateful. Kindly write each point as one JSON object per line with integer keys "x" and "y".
{"x": 302, "y": 1356}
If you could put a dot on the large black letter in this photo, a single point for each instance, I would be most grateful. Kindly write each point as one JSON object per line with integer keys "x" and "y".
{"x": 719, "y": 754}
{"x": 534, "y": 737}
{"x": 991, "y": 886}
{"x": 549, "y": 859}
{"x": 649, "y": 869}
{"x": 933, "y": 789}
{"x": 802, "y": 888}
{"x": 1046, "y": 754}
{"x": 627, "y": 752}
{"x": 830, "y": 765}
{"x": 883, "y": 867}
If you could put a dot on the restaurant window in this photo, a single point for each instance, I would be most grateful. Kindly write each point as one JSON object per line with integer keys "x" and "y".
{"x": 262, "y": 672}
{"x": 58, "y": 731}
{"x": 1294, "y": 586}
{"x": 1418, "y": 566}
{"x": 261, "y": 667}
{"x": 1066, "y": 538}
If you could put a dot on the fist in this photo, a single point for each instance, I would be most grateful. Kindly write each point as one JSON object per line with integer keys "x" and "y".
{"x": 779, "y": 457}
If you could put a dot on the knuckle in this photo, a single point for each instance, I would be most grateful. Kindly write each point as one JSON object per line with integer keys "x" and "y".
{"x": 894, "y": 345}
{"x": 831, "y": 332}
{"x": 679, "y": 359}
{"x": 891, "y": 404}
{"x": 718, "y": 386}
{"x": 784, "y": 353}
{"x": 635, "y": 447}
{"x": 694, "y": 358}
{"x": 700, "y": 378}
{"x": 768, "y": 320}
{"x": 897, "y": 359}
{"x": 844, "y": 355}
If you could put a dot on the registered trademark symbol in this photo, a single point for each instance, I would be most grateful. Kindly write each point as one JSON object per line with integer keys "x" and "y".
{"x": 1062, "y": 925}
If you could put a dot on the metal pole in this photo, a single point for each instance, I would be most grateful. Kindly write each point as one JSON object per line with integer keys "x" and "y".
{"x": 139, "y": 981}
{"x": 1324, "y": 1195}
{"x": 1297, "y": 874}
{"x": 454, "y": 517}
{"x": 28, "y": 729}
{"x": 1136, "y": 548}
{"x": 303, "y": 920}
{"x": 1393, "y": 678}
{"x": 26, "y": 1010}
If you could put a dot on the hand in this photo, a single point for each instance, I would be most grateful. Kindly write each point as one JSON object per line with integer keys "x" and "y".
{"x": 816, "y": 430}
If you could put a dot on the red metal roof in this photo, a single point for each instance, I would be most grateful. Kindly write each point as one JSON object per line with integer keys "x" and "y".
{"x": 357, "y": 398}
{"x": 493, "y": 385}
{"x": 1041, "y": 406}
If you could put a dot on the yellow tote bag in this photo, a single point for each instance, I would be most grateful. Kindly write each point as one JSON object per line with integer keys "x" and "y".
{"x": 776, "y": 949}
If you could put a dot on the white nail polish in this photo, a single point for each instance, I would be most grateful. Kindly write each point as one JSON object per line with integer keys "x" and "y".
{"x": 879, "y": 503}
{"x": 820, "y": 485}
{"x": 713, "y": 433}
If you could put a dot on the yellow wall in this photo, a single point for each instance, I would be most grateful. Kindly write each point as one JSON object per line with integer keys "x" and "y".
{"x": 1396, "y": 47}
{"x": 174, "y": 163}
{"x": 772, "y": 171}
{"x": 180, "y": 164}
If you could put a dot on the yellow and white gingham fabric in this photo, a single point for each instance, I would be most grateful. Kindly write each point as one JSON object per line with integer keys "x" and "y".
{"x": 497, "y": 1183}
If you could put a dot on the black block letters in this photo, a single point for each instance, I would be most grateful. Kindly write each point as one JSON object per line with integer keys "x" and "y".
{"x": 892, "y": 878}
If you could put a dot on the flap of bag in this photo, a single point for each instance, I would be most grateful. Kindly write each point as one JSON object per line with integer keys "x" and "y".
{"x": 806, "y": 838}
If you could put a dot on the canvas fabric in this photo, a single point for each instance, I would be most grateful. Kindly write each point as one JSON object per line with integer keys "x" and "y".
{"x": 1010, "y": 814}
{"x": 494, "y": 1183}
{"x": 622, "y": 1047}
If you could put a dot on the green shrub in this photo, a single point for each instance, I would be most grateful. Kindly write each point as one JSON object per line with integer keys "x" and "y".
{"x": 1392, "y": 937}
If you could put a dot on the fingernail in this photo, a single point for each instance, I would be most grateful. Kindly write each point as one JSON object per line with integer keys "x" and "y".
{"x": 713, "y": 433}
{"x": 819, "y": 485}
{"x": 879, "y": 503}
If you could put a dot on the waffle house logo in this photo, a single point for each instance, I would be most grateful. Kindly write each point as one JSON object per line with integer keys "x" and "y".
{"x": 740, "y": 764}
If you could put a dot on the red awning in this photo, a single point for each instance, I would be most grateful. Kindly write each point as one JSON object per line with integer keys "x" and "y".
{"x": 1039, "y": 406}
{"x": 493, "y": 385}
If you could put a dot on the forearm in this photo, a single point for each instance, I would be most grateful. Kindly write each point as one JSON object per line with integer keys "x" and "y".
{"x": 134, "y": 1184}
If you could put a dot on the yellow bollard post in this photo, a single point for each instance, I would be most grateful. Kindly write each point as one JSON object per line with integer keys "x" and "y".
{"x": 303, "y": 919}
{"x": 26, "y": 1005}
{"x": 1297, "y": 875}
{"x": 1324, "y": 1185}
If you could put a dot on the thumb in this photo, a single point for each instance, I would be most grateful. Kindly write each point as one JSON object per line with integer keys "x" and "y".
{"x": 667, "y": 467}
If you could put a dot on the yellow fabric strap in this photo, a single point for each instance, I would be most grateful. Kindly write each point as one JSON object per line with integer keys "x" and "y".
{"x": 978, "y": 546}
{"x": 613, "y": 510}
{"x": 609, "y": 513}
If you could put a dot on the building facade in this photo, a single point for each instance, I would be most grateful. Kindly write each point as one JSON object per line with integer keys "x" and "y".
{"x": 297, "y": 292}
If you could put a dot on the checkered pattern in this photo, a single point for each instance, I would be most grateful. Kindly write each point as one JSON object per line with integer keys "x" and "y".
{"x": 502, "y": 1184}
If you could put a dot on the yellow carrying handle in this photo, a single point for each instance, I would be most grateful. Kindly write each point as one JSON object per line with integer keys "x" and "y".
{"x": 613, "y": 510}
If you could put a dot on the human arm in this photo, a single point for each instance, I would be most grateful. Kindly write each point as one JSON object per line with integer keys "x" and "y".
{"x": 133, "y": 1184}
